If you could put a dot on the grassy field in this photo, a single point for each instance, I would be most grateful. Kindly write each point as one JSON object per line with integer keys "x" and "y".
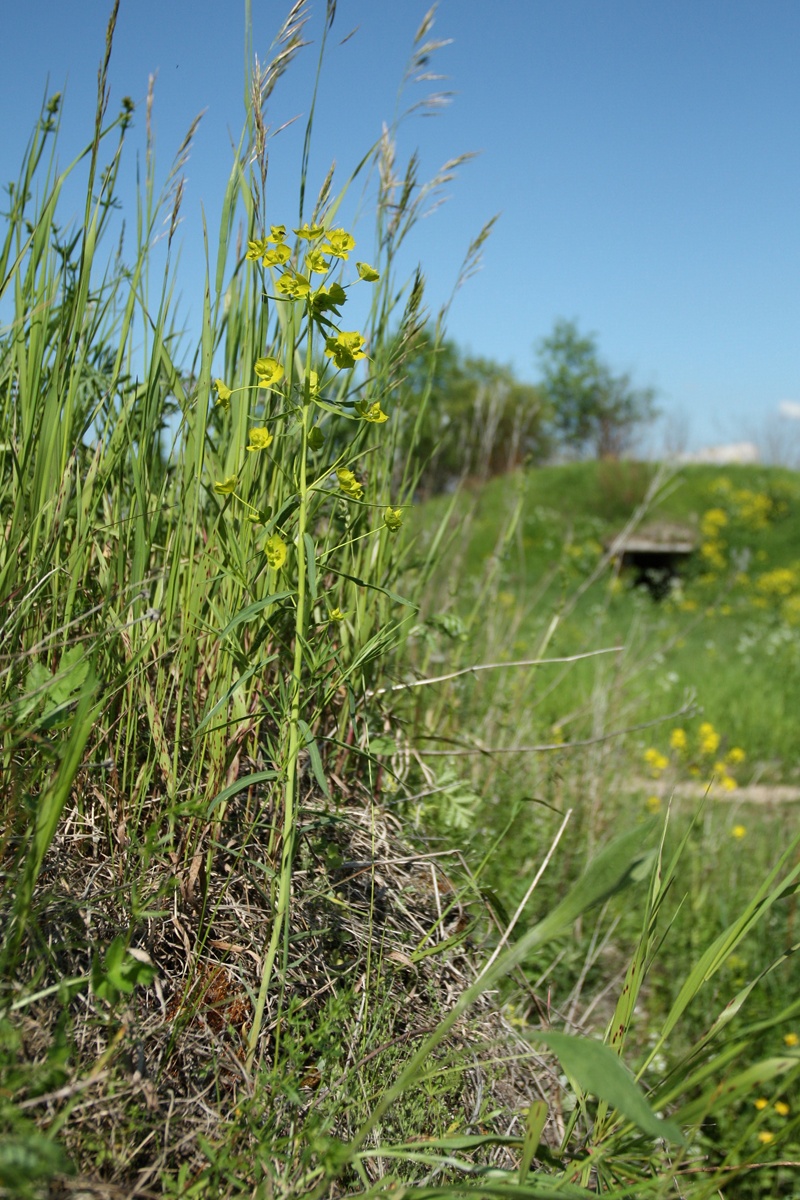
{"x": 726, "y": 635}
{"x": 305, "y": 888}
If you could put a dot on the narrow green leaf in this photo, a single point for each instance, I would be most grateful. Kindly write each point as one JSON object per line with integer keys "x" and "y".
{"x": 253, "y": 610}
{"x": 534, "y": 1126}
{"x": 615, "y": 868}
{"x": 625, "y": 861}
{"x": 237, "y": 683}
{"x": 315, "y": 757}
{"x": 311, "y": 566}
{"x": 724, "y": 1093}
{"x": 373, "y": 587}
{"x": 240, "y": 785}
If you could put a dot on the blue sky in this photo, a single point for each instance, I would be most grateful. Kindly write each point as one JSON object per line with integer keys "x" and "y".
{"x": 644, "y": 156}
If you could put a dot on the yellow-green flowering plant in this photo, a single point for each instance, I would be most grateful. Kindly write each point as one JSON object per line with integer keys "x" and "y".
{"x": 298, "y": 385}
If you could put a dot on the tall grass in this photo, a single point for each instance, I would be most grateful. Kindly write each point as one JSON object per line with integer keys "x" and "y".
{"x": 225, "y": 969}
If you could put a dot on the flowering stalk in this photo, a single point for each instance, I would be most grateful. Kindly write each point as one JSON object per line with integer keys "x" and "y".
{"x": 319, "y": 306}
{"x": 280, "y": 924}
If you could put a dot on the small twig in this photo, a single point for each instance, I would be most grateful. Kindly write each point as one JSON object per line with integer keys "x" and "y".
{"x": 521, "y": 906}
{"x": 494, "y": 666}
{"x": 593, "y": 741}
{"x": 64, "y": 1093}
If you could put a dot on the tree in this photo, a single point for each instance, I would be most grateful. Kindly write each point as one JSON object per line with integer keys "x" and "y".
{"x": 593, "y": 411}
{"x": 479, "y": 419}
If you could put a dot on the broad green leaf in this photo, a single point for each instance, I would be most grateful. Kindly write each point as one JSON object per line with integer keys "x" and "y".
{"x": 596, "y": 1068}
{"x": 120, "y": 971}
{"x": 383, "y": 744}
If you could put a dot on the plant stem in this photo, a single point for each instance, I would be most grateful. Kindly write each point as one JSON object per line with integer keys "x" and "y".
{"x": 280, "y": 925}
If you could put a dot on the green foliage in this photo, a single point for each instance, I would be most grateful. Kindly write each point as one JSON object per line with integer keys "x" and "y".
{"x": 593, "y": 411}
{"x": 596, "y": 1068}
{"x": 225, "y": 668}
{"x": 480, "y": 420}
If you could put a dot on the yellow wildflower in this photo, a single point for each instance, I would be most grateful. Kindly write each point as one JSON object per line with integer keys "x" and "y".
{"x": 790, "y": 1040}
{"x": 781, "y": 1108}
{"x": 653, "y": 804}
{"x": 656, "y": 761}
{"x": 371, "y": 412}
{"x": 678, "y": 739}
{"x": 269, "y": 372}
{"x": 260, "y": 439}
{"x": 709, "y": 738}
{"x": 256, "y": 249}
{"x": 345, "y": 349}
{"x": 738, "y": 832}
{"x": 226, "y": 487}
{"x": 765, "y": 1137}
{"x": 340, "y": 243}
{"x": 761, "y": 1103}
{"x": 293, "y": 286}
{"x": 277, "y": 256}
{"x": 349, "y": 484}
{"x": 310, "y": 232}
{"x": 316, "y": 261}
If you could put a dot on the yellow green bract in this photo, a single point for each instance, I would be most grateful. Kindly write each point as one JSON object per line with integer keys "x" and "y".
{"x": 269, "y": 371}
{"x": 224, "y": 394}
{"x": 328, "y": 299}
{"x": 371, "y": 412}
{"x": 260, "y": 439}
{"x": 275, "y": 550}
{"x": 367, "y": 273}
{"x": 345, "y": 349}
{"x": 277, "y": 256}
{"x": 340, "y": 243}
{"x": 311, "y": 233}
{"x": 349, "y": 484}
{"x": 293, "y": 286}
{"x": 227, "y": 486}
{"x": 256, "y": 249}
{"x": 316, "y": 261}
{"x": 393, "y": 518}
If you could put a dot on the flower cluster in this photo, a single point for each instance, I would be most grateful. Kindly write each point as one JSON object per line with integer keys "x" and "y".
{"x": 768, "y": 1109}
{"x": 295, "y": 279}
{"x": 699, "y": 755}
{"x": 656, "y": 761}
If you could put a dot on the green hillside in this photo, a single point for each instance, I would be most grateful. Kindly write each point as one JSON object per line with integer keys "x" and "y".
{"x": 728, "y": 633}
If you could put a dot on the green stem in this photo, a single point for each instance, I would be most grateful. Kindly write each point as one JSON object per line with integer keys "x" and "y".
{"x": 295, "y": 697}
